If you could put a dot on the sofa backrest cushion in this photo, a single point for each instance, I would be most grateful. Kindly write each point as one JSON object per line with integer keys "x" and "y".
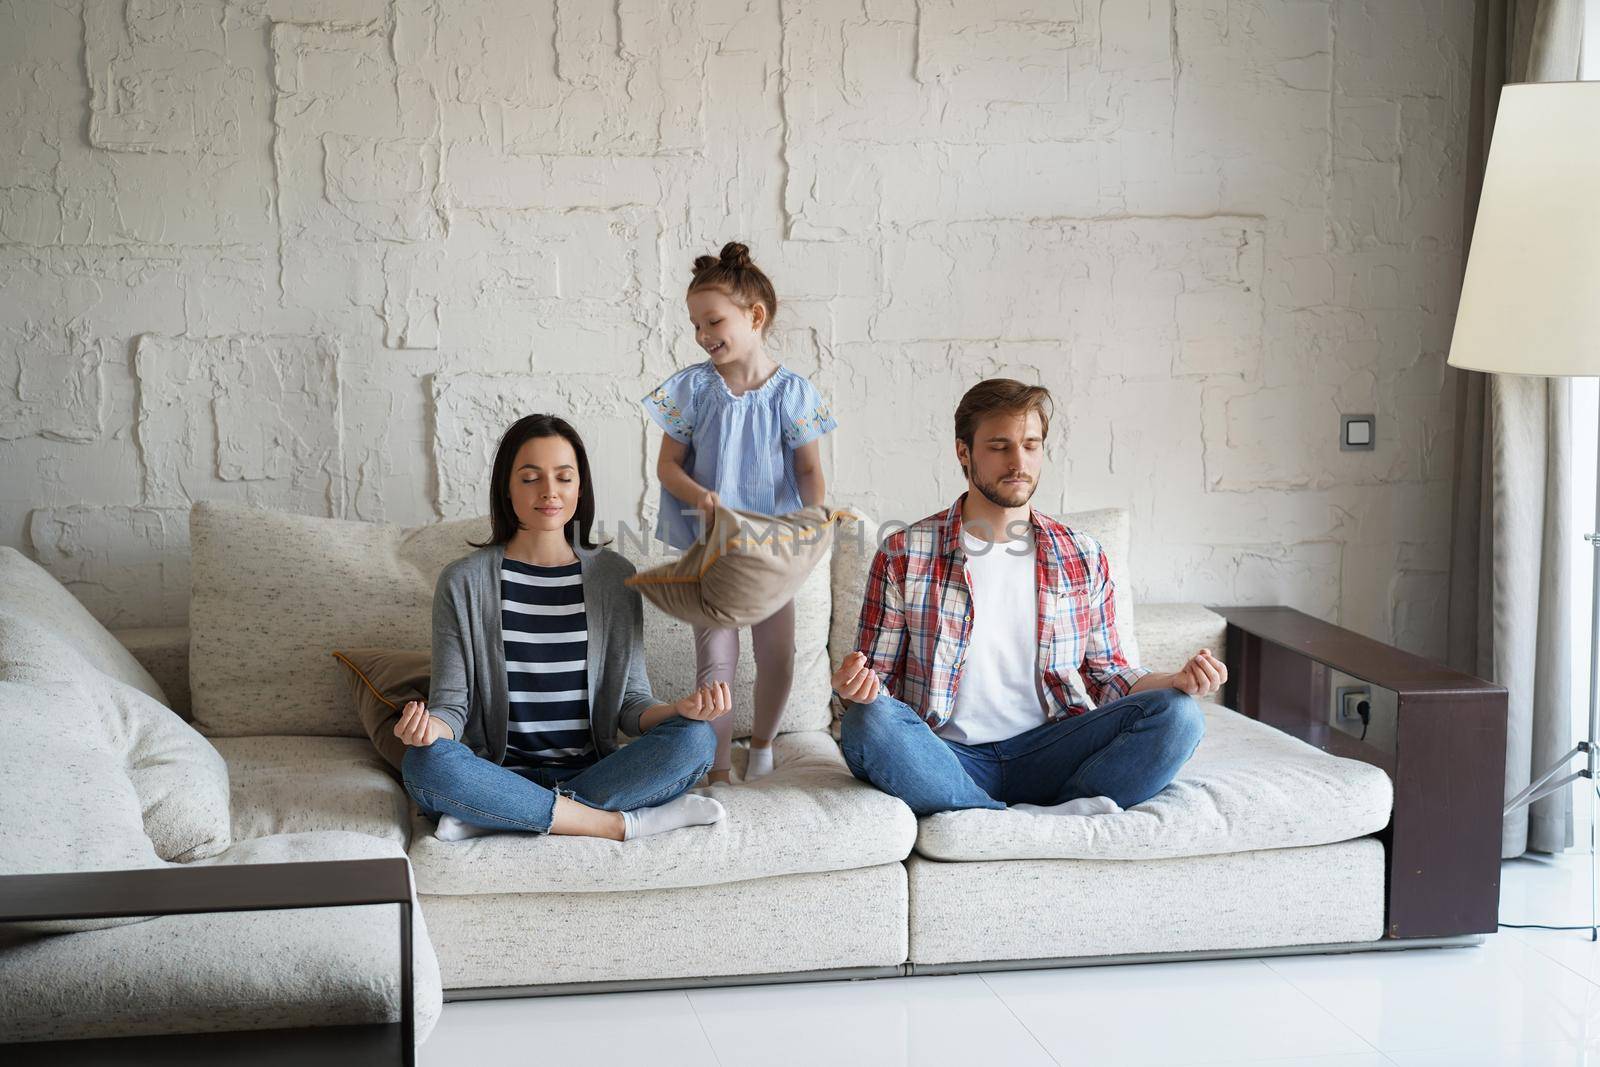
{"x": 74, "y": 808}
{"x": 182, "y": 782}
{"x": 29, "y": 591}
{"x": 179, "y": 781}
{"x": 1170, "y": 633}
{"x": 1112, "y": 529}
{"x": 102, "y": 775}
{"x": 274, "y": 594}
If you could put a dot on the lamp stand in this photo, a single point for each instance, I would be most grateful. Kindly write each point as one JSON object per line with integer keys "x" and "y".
{"x": 1589, "y": 747}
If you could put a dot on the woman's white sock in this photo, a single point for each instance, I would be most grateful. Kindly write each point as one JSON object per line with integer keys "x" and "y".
{"x": 690, "y": 809}
{"x": 760, "y": 764}
{"x": 1081, "y": 806}
{"x": 451, "y": 828}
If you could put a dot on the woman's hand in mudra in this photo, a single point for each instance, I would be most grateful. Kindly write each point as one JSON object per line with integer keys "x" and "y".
{"x": 708, "y": 702}
{"x": 419, "y": 729}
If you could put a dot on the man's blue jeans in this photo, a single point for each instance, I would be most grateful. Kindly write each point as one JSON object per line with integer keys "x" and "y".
{"x": 448, "y": 778}
{"x": 1128, "y": 750}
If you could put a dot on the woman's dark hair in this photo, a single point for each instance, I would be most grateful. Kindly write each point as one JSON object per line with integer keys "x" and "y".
{"x": 732, "y": 272}
{"x": 502, "y": 517}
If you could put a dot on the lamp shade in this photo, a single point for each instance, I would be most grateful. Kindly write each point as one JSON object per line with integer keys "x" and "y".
{"x": 1530, "y": 301}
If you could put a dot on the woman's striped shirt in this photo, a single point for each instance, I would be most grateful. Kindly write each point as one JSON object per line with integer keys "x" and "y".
{"x": 547, "y": 676}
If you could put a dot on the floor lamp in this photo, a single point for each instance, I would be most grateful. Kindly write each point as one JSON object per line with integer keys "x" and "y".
{"x": 1530, "y": 304}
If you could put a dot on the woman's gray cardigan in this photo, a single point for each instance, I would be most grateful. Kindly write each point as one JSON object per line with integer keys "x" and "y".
{"x": 468, "y": 690}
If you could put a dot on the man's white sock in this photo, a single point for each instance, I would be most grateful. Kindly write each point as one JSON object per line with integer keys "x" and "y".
{"x": 1081, "y": 806}
{"x": 453, "y": 829}
{"x": 690, "y": 809}
{"x": 760, "y": 764}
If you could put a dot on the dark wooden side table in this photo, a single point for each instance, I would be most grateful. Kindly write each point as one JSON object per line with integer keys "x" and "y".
{"x": 1447, "y": 759}
{"x": 198, "y": 890}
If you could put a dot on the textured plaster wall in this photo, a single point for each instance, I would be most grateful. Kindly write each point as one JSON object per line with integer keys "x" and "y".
{"x": 315, "y": 254}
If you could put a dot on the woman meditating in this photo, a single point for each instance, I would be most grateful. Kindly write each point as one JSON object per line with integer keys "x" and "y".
{"x": 538, "y": 661}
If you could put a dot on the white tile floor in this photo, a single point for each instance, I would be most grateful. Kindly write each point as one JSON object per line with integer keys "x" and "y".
{"x": 1525, "y": 997}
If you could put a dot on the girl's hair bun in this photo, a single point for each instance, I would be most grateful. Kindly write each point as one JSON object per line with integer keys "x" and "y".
{"x": 732, "y": 272}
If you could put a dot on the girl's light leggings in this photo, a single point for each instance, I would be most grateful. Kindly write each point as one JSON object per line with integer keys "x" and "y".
{"x": 716, "y": 654}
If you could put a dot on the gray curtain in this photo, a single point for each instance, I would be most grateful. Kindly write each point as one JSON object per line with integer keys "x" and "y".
{"x": 1512, "y": 536}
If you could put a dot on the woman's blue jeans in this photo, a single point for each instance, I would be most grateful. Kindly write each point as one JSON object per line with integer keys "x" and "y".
{"x": 448, "y": 778}
{"x": 1128, "y": 750}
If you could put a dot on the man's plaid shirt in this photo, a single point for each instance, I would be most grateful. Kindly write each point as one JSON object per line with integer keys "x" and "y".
{"x": 916, "y": 617}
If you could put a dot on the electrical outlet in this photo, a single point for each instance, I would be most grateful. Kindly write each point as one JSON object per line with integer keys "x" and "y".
{"x": 1347, "y": 701}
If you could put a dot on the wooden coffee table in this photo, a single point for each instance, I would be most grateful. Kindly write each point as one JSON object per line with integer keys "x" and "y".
{"x": 198, "y": 890}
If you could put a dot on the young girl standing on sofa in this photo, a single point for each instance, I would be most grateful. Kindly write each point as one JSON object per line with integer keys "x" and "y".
{"x": 741, "y": 431}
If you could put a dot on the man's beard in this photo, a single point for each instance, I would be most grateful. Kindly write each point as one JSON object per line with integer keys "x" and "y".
{"x": 1001, "y": 497}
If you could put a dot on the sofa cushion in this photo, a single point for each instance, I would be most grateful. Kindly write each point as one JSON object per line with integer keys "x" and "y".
{"x": 286, "y": 785}
{"x": 808, "y": 815}
{"x": 1170, "y": 633}
{"x": 1044, "y": 909}
{"x": 164, "y": 652}
{"x": 1111, "y": 529}
{"x": 854, "y": 545}
{"x": 1247, "y": 787}
{"x": 749, "y": 567}
{"x": 669, "y": 650}
{"x": 800, "y": 922}
{"x": 273, "y": 593}
{"x": 29, "y": 591}
{"x": 239, "y": 971}
{"x": 181, "y": 781}
{"x": 114, "y": 779}
{"x": 75, "y": 808}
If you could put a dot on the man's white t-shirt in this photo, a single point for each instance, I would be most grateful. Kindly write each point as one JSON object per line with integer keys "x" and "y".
{"x": 1001, "y": 692}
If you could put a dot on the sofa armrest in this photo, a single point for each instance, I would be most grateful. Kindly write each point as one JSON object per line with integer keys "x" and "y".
{"x": 164, "y": 652}
{"x": 185, "y": 890}
{"x": 1447, "y": 756}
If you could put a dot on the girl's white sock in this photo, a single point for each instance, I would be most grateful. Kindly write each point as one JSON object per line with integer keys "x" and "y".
{"x": 760, "y": 764}
{"x": 1081, "y": 806}
{"x": 453, "y": 829}
{"x": 690, "y": 809}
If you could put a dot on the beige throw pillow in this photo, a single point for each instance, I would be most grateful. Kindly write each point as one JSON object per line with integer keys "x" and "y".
{"x": 747, "y": 568}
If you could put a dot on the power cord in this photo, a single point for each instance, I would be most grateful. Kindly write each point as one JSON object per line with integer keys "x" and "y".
{"x": 1593, "y": 813}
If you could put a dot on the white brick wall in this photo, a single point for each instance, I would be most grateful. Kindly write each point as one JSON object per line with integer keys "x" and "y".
{"x": 314, "y": 254}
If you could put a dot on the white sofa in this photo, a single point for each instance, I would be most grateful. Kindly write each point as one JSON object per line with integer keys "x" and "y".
{"x": 1263, "y": 842}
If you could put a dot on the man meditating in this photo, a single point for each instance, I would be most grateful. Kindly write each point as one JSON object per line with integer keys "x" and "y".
{"x": 988, "y": 670}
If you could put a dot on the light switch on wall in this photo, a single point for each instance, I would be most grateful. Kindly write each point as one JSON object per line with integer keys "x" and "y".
{"x": 1357, "y": 433}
